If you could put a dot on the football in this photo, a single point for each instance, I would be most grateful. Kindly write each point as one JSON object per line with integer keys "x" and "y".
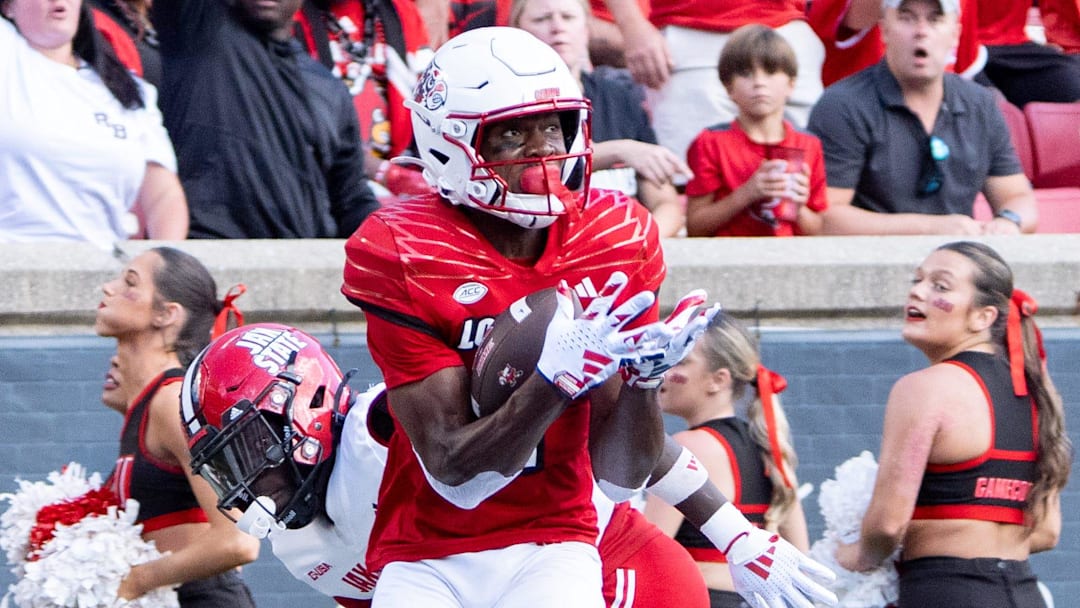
{"x": 508, "y": 354}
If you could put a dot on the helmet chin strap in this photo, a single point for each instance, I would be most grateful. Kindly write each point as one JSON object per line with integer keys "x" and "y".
{"x": 258, "y": 520}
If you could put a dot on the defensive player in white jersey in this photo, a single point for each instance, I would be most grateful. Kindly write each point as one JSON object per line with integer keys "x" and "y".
{"x": 279, "y": 435}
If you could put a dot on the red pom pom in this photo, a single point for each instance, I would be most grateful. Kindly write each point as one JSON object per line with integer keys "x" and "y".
{"x": 67, "y": 513}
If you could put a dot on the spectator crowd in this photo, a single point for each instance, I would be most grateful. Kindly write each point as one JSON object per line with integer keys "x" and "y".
{"x": 206, "y": 119}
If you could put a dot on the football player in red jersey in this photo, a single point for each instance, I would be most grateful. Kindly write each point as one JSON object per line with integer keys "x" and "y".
{"x": 502, "y": 132}
{"x": 281, "y": 437}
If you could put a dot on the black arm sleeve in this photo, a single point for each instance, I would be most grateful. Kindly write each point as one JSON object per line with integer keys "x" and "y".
{"x": 351, "y": 199}
{"x": 185, "y": 26}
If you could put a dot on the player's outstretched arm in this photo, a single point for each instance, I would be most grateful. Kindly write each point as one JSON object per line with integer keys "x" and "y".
{"x": 767, "y": 570}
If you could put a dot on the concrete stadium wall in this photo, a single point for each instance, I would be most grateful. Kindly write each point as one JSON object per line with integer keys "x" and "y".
{"x": 827, "y": 309}
{"x": 843, "y": 282}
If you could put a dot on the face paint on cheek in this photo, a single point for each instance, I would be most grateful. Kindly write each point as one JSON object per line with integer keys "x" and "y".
{"x": 673, "y": 377}
{"x": 943, "y": 304}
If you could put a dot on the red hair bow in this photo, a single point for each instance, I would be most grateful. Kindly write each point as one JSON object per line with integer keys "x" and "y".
{"x": 1020, "y": 305}
{"x": 221, "y": 322}
{"x": 770, "y": 383}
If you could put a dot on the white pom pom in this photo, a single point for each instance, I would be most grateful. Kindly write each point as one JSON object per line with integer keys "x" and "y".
{"x": 843, "y": 502}
{"x": 83, "y": 564}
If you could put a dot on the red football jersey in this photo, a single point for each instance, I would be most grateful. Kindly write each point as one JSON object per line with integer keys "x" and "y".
{"x": 724, "y": 15}
{"x": 722, "y": 159}
{"x": 431, "y": 286}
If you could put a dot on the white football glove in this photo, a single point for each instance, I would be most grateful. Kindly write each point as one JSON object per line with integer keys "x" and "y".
{"x": 768, "y": 571}
{"x": 661, "y": 345}
{"x": 581, "y": 353}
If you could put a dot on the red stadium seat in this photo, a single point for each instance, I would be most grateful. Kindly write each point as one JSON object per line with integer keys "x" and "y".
{"x": 1018, "y": 133}
{"x": 1055, "y": 141}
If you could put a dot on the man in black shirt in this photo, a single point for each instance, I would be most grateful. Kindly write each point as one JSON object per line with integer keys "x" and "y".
{"x": 266, "y": 139}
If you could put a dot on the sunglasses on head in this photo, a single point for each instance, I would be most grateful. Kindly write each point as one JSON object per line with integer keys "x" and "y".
{"x": 933, "y": 174}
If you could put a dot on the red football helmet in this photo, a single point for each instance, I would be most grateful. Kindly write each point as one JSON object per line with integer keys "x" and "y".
{"x": 262, "y": 406}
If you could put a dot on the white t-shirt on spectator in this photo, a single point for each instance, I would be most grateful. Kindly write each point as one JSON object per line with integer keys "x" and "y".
{"x": 72, "y": 158}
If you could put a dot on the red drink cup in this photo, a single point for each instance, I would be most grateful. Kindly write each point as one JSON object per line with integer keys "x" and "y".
{"x": 786, "y": 209}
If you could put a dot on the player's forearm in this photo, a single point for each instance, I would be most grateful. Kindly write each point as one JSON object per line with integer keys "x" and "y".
{"x": 505, "y": 440}
{"x": 682, "y": 482}
{"x": 627, "y": 443}
{"x": 469, "y": 465}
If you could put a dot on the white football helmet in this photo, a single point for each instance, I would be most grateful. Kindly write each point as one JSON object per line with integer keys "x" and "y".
{"x": 487, "y": 75}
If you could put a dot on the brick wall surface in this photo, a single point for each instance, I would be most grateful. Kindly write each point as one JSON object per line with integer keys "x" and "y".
{"x": 838, "y": 383}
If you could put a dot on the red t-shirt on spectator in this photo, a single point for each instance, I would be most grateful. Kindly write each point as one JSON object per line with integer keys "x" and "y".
{"x": 1002, "y": 23}
{"x": 846, "y": 51}
{"x": 725, "y": 15}
{"x": 724, "y": 157}
{"x": 968, "y": 50}
{"x": 600, "y": 9}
